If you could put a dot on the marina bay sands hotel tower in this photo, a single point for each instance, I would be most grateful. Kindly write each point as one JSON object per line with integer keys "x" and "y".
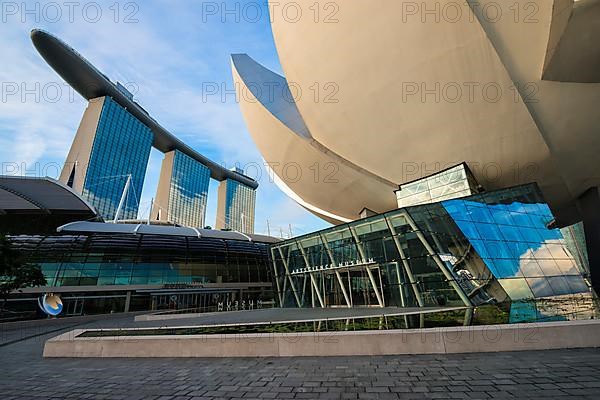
{"x": 108, "y": 159}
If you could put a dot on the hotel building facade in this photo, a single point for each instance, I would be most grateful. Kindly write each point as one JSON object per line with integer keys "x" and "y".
{"x": 109, "y": 156}
{"x": 236, "y": 206}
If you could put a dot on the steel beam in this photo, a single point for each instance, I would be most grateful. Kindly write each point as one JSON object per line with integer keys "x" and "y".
{"x": 405, "y": 264}
{"x": 316, "y": 288}
{"x": 335, "y": 264}
{"x": 341, "y": 282}
{"x": 279, "y": 292}
{"x": 289, "y": 276}
{"x": 363, "y": 256}
{"x": 437, "y": 260}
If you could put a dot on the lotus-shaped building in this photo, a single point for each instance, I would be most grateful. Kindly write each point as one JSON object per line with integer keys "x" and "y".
{"x": 380, "y": 94}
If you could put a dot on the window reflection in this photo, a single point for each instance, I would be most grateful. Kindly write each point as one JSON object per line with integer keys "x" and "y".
{"x": 526, "y": 246}
{"x": 146, "y": 260}
{"x": 489, "y": 247}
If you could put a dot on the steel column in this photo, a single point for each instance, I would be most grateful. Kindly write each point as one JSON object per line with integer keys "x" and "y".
{"x": 279, "y": 292}
{"x": 361, "y": 251}
{"x": 341, "y": 282}
{"x": 405, "y": 263}
{"x": 289, "y": 277}
{"x": 316, "y": 288}
{"x": 437, "y": 260}
{"x": 337, "y": 273}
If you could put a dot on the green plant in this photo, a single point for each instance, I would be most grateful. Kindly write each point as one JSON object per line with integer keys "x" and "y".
{"x": 16, "y": 274}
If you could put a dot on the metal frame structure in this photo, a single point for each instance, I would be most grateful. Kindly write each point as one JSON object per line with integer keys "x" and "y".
{"x": 487, "y": 247}
{"x": 368, "y": 265}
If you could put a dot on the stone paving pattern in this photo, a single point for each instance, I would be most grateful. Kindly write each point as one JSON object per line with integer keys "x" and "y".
{"x": 24, "y": 374}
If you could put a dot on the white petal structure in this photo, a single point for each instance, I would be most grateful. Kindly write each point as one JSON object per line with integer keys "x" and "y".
{"x": 389, "y": 91}
{"x": 300, "y": 162}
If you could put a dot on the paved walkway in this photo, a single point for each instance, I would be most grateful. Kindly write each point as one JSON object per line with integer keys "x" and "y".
{"x": 24, "y": 374}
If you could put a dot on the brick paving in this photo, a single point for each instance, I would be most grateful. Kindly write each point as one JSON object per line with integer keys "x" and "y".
{"x": 24, "y": 374}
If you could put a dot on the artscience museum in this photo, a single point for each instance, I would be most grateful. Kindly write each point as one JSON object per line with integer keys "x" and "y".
{"x": 486, "y": 248}
{"x": 474, "y": 198}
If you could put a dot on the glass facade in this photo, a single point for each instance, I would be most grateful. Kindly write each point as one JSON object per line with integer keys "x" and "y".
{"x": 575, "y": 238}
{"x": 188, "y": 191}
{"x": 102, "y": 272}
{"x": 121, "y": 148}
{"x": 486, "y": 248}
{"x": 124, "y": 259}
{"x": 528, "y": 259}
{"x": 449, "y": 184}
{"x": 240, "y": 203}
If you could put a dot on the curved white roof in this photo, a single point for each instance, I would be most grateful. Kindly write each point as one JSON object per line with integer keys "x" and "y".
{"x": 143, "y": 229}
{"x": 45, "y": 195}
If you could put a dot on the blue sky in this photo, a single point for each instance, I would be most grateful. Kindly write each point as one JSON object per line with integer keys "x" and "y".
{"x": 170, "y": 51}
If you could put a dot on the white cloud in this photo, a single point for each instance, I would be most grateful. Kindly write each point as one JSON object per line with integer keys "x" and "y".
{"x": 168, "y": 55}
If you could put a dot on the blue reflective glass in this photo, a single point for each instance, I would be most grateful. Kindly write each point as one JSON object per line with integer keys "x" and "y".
{"x": 531, "y": 235}
{"x": 240, "y": 203}
{"x": 121, "y": 148}
{"x": 489, "y": 232}
{"x": 497, "y": 249}
{"x": 501, "y": 217}
{"x": 188, "y": 191}
{"x": 544, "y": 210}
{"x": 521, "y": 246}
{"x": 518, "y": 249}
{"x": 470, "y": 230}
{"x": 510, "y": 234}
{"x": 480, "y": 247}
{"x": 457, "y": 209}
{"x": 506, "y": 268}
{"x": 521, "y": 219}
{"x": 480, "y": 214}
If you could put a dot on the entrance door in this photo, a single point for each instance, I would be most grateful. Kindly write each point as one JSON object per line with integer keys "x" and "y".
{"x": 361, "y": 289}
{"x": 73, "y": 307}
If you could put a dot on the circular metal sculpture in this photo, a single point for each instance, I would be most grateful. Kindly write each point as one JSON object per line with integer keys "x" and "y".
{"x": 51, "y": 304}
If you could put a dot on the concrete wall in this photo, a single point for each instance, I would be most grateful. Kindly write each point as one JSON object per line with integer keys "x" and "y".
{"x": 161, "y": 208}
{"x": 518, "y": 337}
{"x": 220, "y": 223}
{"x": 81, "y": 149}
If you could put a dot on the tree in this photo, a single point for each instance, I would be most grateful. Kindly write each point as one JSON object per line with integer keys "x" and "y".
{"x": 16, "y": 274}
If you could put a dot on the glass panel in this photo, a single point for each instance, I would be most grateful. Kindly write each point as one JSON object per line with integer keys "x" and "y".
{"x": 549, "y": 267}
{"x": 516, "y": 289}
{"x": 559, "y": 285}
{"x": 188, "y": 191}
{"x": 540, "y": 287}
{"x": 519, "y": 242}
{"x": 121, "y": 147}
{"x": 577, "y": 284}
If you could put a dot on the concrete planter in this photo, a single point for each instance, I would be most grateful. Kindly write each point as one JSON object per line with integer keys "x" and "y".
{"x": 469, "y": 339}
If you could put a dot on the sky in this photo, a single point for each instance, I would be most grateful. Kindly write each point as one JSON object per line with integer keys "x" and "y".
{"x": 170, "y": 53}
